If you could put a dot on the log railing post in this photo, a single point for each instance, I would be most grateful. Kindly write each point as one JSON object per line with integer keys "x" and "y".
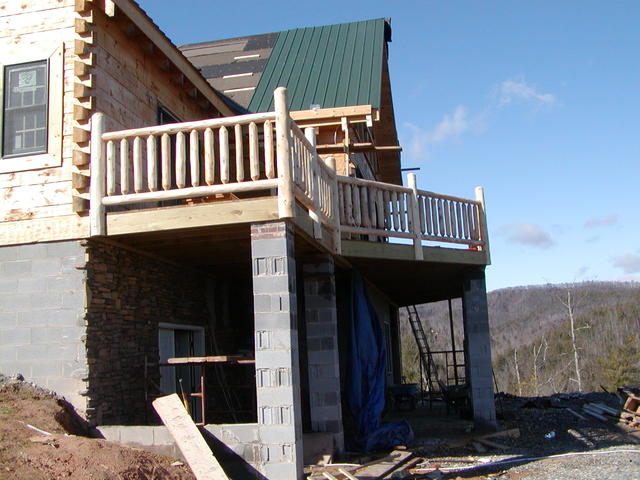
{"x": 415, "y": 218}
{"x": 314, "y": 180}
{"x": 286, "y": 198}
{"x": 97, "y": 223}
{"x": 335, "y": 204}
{"x": 482, "y": 217}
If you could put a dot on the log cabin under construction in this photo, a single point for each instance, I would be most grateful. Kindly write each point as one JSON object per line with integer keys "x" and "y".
{"x": 213, "y": 219}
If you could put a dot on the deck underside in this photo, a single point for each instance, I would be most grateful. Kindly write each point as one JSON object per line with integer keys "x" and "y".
{"x": 216, "y": 236}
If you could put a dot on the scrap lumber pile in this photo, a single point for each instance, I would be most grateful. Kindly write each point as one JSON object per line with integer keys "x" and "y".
{"x": 405, "y": 463}
{"x": 630, "y": 413}
{"x": 395, "y": 464}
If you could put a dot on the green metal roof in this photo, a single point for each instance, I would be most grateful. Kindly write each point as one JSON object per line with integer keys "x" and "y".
{"x": 331, "y": 66}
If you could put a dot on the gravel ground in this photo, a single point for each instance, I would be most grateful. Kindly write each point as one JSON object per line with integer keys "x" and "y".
{"x": 615, "y": 463}
{"x": 547, "y": 447}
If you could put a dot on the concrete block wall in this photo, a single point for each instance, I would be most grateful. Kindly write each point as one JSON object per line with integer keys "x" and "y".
{"x": 322, "y": 347}
{"x": 478, "y": 348}
{"x": 42, "y": 316}
{"x": 237, "y": 446}
{"x": 152, "y": 439}
{"x": 276, "y": 349}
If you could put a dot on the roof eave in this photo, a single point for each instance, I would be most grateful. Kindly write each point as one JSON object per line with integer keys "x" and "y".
{"x": 142, "y": 21}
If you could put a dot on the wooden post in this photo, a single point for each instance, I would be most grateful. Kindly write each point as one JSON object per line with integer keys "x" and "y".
{"x": 310, "y": 133}
{"x": 335, "y": 203}
{"x": 483, "y": 223}
{"x": 453, "y": 344}
{"x": 286, "y": 198}
{"x": 152, "y": 163}
{"x": 415, "y": 219}
{"x": 97, "y": 211}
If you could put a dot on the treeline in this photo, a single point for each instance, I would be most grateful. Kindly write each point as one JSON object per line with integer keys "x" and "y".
{"x": 546, "y": 339}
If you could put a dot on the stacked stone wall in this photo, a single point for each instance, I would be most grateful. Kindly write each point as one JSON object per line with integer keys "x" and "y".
{"x": 129, "y": 295}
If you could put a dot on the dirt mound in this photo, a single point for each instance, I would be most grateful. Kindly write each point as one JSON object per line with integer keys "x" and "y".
{"x": 26, "y": 454}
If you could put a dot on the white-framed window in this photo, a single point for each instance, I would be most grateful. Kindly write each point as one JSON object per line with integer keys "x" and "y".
{"x": 31, "y": 100}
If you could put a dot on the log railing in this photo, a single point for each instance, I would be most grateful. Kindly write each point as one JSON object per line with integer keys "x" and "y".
{"x": 188, "y": 160}
{"x": 264, "y": 152}
{"x": 378, "y": 209}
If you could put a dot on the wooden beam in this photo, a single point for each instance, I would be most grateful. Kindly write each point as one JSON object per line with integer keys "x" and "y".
{"x": 81, "y": 6}
{"x": 193, "y": 216}
{"x": 397, "y": 251}
{"x": 80, "y": 135}
{"x": 81, "y": 25}
{"x": 203, "y": 463}
{"x": 214, "y": 359}
{"x": 79, "y": 204}
{"x": 80, "y": 158}
{"x": 80, "y": 46}
{"x": 326, "y": 113}
{"x": 79, "y": 181}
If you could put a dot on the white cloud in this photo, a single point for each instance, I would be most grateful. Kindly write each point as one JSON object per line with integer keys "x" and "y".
{"x": 628, "y": 263}
{"x": 511, "y": 91}
{"x": 451, "y": 126}
{"x": 527, "y": 234}
{"x": 458, "y": 122}
{"x": 608, "y": 220}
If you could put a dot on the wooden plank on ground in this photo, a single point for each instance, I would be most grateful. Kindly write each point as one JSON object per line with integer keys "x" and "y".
{"x": 492, "y": 444}
{"x": 203, "y": 463}
{"x": 382, "y": 469}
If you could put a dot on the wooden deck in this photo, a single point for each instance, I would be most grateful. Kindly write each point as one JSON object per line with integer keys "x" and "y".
{"x": 234, "y": 171}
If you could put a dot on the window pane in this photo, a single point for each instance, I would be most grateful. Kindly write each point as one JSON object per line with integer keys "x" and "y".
{"x": 25, "y": 108}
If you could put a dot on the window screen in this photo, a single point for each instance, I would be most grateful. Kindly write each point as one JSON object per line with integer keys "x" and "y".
{"x": 25, "y": 109}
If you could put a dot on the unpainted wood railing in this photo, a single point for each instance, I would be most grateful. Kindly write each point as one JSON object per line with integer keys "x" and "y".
{"x": 264, "y": 152}
{"x": 187, "y": 160}
{"x": 378, "y": 209}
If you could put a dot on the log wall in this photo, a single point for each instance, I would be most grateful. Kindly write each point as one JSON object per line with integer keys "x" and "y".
{"x": 109, "y": 65}
{"x": 38, "y": 202}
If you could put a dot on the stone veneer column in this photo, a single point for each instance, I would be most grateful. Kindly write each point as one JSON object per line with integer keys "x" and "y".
{"x": 276, "y": 345}
{"x": 322, "y": 347}
{"x": 478, "y": 348}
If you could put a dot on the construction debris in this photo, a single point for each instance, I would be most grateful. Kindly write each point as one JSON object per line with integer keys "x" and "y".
{"x": 630, "y": 414}
{"x": 203, "y": 463}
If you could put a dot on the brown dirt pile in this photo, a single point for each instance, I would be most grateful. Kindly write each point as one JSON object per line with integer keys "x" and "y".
{"x": 28, "y": 455}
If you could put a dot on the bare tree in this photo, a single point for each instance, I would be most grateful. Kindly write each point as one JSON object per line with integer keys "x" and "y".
{"x": 536, "y": 354}
{"x": 518, "y": 382}
{"x": 570, "y": 306}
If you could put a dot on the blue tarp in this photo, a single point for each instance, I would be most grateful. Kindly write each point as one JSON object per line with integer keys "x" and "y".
{"x": 366, "y": 381}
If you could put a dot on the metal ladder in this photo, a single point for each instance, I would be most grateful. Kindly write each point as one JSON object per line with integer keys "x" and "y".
{"x": 426, "y": 360}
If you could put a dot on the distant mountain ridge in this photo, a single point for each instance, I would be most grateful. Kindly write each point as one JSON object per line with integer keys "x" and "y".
{"x": 606, "y": 318}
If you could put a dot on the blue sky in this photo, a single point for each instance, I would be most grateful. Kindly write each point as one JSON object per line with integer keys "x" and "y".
{"x": 537, "y": 101}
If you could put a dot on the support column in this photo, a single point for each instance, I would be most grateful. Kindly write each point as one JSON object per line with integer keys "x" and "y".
{"x": 276, "y": 345}
{"x": 478, "y": 348}
{"x": 322, "y": 347}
